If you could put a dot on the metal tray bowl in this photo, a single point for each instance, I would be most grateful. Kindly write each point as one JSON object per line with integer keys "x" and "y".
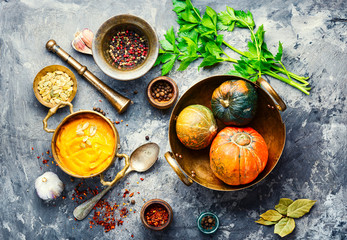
{"x": 267, "y": 122}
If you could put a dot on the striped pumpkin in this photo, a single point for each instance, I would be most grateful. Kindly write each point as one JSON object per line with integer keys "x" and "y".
{"x": 196, "y": 127}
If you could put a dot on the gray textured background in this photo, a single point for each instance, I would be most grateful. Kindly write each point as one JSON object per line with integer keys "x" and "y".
{"x": 313, "y": 164}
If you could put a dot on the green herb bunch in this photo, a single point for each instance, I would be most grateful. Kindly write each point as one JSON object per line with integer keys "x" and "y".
{"x": 283, "y": 216}
{"x": 198, "y": 37}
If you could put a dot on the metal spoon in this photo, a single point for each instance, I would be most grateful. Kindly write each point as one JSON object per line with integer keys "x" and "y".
{"x": 141, "y": 160}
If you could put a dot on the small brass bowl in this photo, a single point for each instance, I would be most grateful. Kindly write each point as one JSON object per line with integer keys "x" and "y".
{"x": 161, "y": 203}
{"x": 77, "y": 115}
{"x": 162, "y": 104}
{"x": 104, "y": 35}
{"x": 53, "y": 68}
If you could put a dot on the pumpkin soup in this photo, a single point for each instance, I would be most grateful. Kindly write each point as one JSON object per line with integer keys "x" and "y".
{"x": 86, "y": 145}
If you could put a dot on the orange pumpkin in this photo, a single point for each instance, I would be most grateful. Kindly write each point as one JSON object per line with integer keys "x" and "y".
{"x": 238, "y": 155}
{"x": 196, "y": 127}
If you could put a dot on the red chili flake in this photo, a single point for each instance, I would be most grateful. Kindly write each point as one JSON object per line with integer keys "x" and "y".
{"x": 38, "y": 157}
{"x": 131, "y": 194}
{"x": 117, "y": 122}
{"x": 138, "y": 192}
{"x": 100, "y": 100}
{"x": 32, "y": 148}
{"x": 45, "y": 161}
{"x": 123, "y": 212}
{"x": 132, "y": 235}
{"x": 142, "y": 179}
{"x": 47, "y": 152}
{"x": 156, "y": 215}
{"x": 125, "y": 193}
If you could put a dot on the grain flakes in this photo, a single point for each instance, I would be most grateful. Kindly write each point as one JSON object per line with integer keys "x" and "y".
{"x": 55, "y": 87}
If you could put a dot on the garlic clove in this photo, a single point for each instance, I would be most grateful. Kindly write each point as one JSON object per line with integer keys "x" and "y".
{"x": 80, "y": 46}
{"x": 48, "y": 186}
{"x": 87, "y": 37}
{"x": 83, "y": 41}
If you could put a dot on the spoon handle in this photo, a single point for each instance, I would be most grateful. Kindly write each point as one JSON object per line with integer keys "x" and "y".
{"x": 82, "y": 211}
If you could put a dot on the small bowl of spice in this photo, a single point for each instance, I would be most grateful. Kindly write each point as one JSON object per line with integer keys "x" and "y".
{"x": 208, "y": 222}
{"x": 54, "y": 84}
{"x": 156, "y": 214}
{"x": 162, "y": 92}
{"x": 125, "y": 47}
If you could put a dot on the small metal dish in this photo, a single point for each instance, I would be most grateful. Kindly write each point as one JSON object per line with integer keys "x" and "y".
{"x": 163, "y": 204}
{"x": 207, "y": 231}
{"x": 46, "y": 70}
{"x": 162, "y": 104}
{"x": 104, "y": 35}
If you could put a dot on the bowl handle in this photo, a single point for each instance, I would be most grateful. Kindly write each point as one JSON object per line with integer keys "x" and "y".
{"x": 120, "y": 174}
{"x": 280, "y": 104}
{"x": 173, "y": 163}
{"x": 52, "y": 111}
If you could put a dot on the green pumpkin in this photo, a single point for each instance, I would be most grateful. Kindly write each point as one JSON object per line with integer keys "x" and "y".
{"x": 234, "y": 102}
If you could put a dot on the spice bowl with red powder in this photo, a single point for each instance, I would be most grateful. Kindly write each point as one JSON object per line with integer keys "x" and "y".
{"x": 156, "y": 214}
{"x": 125, "y": 47}
{"x": 162, "y": 92}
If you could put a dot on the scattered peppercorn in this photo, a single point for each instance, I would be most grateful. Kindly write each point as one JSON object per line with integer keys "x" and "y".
{"x": 208, "y": 222}
{"x": 135, "y": 92}
{"x": 99, "y": 110}
{"x": 162, "y": 91}
{"x": 147, "y": 138}
{"x": 128, "y": 49}
{"x": 132, "y": 202}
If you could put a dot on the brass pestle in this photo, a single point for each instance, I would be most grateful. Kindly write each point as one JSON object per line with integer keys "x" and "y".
{"x": 118, "y": 101}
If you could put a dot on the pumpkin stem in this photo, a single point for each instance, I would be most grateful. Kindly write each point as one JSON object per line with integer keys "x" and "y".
{"x": 242, "y": 139}
{"x": 225, "y": 103}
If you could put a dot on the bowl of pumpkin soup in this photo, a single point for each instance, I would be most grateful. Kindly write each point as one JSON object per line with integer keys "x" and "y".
{"x": 85, "y": 143}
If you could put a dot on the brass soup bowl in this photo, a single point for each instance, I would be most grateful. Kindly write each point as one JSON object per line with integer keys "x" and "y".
{"x": 77, "y": 115}
{"x": 104, "y": 35}
{"x": 267, "y": 122}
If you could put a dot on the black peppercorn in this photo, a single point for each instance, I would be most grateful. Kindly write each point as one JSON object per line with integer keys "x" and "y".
{"x": 162, "y": 91}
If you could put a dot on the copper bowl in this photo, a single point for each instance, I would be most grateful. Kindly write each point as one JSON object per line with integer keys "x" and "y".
{"x": 267, "y": 122}
{"x": 162, "y": 104}
{"x": 163, "y": 204}
{"x": 46, "y": 70}
{"x": 77, "y": 115}
{"x": 104, "y": 35}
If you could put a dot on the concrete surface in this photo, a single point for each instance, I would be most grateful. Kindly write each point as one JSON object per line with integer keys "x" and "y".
{"x": 313, "y": 164}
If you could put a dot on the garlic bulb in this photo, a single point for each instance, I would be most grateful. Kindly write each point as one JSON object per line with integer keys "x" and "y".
{"x": 83, "y": 41}
{"x": 48, "y": 186}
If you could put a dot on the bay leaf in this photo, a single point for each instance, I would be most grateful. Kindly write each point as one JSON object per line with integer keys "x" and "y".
{"x": 264, "y": 222}
{"x": 285, "y": 226}
{"x": 282, "y": 206}
{"x": 271, "y": 215}
{"x": 300, "y": 207}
